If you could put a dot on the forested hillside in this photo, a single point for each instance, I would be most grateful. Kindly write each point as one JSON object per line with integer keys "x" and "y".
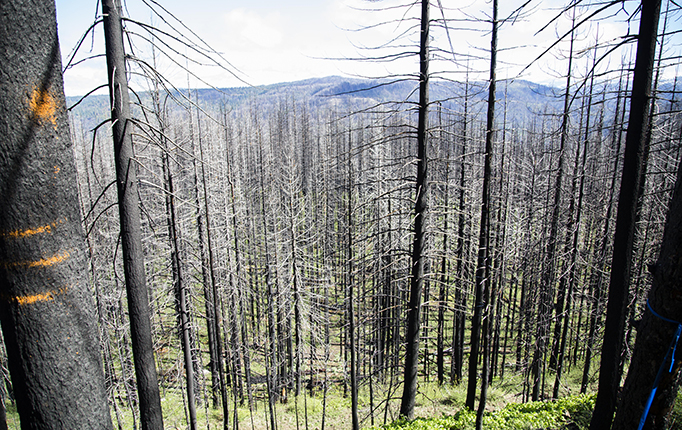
{"x": 309, "y": 201}
{"x": 377, "y": 240}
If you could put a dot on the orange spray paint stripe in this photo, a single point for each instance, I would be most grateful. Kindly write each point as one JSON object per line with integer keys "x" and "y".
{"x": 43, "y": 262}
{"x": 20, "y": 234}
{"x": 41, "y": 297}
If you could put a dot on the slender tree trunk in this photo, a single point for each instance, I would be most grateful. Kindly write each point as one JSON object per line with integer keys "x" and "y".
{"x": 271, "y": 363}
{"x": 296, "y": 284}
{"x": 549, "y": 271}
{"x": 574, "y": 232}
{"x": 596, "y": 280}
{"x": 46, "y": 308}
{"x": 444, "y": 278}
{"x": 630, "y": 192}
{"x": 240, "y": 313}
{"x": 498, "y": 271}
{"x": 418, "y": 258}
{"x": 214, "y": 284}
{"x": 352, "y": 342}
{"x": 462, "y": 256}
{"x": 180, "y": 294}
{"x": 129, "y": 210}
{"x": 207, "y": 275}
{"x": 482, "y": 309}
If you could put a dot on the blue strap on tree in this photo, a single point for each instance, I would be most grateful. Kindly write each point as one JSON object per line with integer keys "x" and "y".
{"x": 673, "y": 347}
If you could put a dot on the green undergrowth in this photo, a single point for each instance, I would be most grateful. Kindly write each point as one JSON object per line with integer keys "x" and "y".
{"x": 675, "y": 422}
{"x": 440, "y": 408}
{"x": 571, "y": 412}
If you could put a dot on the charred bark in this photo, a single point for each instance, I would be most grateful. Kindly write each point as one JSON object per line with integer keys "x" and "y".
{"x": 46, "y": 309}
{"x": 129, "y": 212}
{"x": 418, "y": 259}
{"x": 630, "y": 192}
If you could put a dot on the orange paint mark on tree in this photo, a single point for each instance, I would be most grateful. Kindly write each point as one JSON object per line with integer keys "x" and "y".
{"x": 43, "y": 107}
{"x": 20, "y": 234}
{"x": 43, "y": 262}
{"x": 28, "y": 300}
{"x": 40, "y": 297}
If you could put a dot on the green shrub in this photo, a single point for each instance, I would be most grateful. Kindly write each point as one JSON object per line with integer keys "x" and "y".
{"x": 676, "y": 416}
{"x": 573, "y": 411}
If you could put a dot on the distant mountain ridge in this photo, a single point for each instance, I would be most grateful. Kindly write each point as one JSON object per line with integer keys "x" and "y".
{"x": 317, "y": 90}
{"x": 343, "y": 94}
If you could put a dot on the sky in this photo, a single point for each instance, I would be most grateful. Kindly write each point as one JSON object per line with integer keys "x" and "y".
{"x": 266, "y": 41}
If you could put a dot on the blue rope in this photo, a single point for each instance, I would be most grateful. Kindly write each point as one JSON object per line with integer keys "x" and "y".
{"x": 673, "y": 346}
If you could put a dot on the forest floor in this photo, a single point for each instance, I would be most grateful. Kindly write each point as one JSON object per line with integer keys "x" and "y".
{"x": 306, "y": 411}
{"x": 438, "y": 407}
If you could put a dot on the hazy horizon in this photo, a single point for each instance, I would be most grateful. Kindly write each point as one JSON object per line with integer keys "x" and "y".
{"x": 270, "y": 42}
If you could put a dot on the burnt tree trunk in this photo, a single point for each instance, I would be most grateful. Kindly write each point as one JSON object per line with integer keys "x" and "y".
{"x": 352, "y": 341}
{"x": 483, "y": 307}
{"x": 630, "y": 192}
{"x": 653, "y": 346}
{"x": 573, "y": 229}
{"x": 444, "y": 278}
{"x": 129, "y": 212}
{"x": 459, "y": 317}
{"x": 596, "y": 279}
{"x": 181, "y": 305}
{"x": 207, "y": 274}
{"x": 46, "y": 309}
{"x": 417, "y": 280}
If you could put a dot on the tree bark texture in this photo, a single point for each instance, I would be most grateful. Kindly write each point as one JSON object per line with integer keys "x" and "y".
{"x": 633, "y": 162}
{"x": 46, "y": 309}
{"x": 417, "y": 280}
{"x": 129, "y": 212}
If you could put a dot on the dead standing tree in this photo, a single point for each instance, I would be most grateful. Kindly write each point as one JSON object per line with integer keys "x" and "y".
{"x": 414, "y": 306}
{"x": 129, "y": 211}
{"x": 653, "y": 378}
{"x": 46, "y": 309}
{"x": 483, "y": 306}
{"x": 630, "y": 192}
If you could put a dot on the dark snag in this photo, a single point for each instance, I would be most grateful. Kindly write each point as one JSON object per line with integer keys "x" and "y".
{"x": 463, "y": 240}
{"x": 656, "y": 336}
{"x": 414, "y": 306}
{"x": 443, "y": 290}
{"x": 181, "y": 305}
{"x": 129, "y": 211}
{"x": 46, "y": 309}
{"x": 352, "y": 350}
{"x": 630, "y": 192}
{"x": 484, "y": 254}
{"x": 480, "y": 324}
